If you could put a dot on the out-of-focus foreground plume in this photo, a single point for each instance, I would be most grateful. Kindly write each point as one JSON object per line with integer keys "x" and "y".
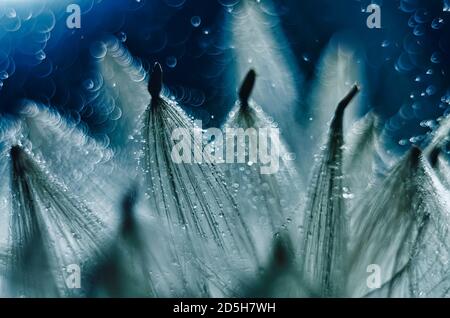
{"x": 324, "y": 229}
{"x": 193, "y": 197}
{"x": 268, "y": 200}
{"x": 402, "y": 225}
{"x": 139, "y": 262}
{"x": 281, "y": 276}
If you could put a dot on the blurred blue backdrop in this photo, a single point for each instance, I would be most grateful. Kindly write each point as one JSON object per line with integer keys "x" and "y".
{"x": 406, "y": 61}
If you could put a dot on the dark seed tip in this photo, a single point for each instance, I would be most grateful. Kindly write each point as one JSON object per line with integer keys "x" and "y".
{"x": 155, "y": 82}
{"x": 247, "y": 87}
{"x": 16, "y": 152}
{"x": 348, "y": 98}
{"x": 415, "y": 154}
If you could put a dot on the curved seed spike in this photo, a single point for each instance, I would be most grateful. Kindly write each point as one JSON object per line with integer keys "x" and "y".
{"x": 247, "y": 87}
{"x": 325, "y": 243}
{"x": 337, "y": 122}
{"x": 155, "y": 82}
{"x": 434, "y": 156}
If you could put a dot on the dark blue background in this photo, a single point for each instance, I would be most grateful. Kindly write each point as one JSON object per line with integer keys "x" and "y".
{"x": 407, "y": 61}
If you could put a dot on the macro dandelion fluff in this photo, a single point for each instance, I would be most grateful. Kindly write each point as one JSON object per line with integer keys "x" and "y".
{"x": 59, "y": 211}
{"x": 361, "y": 159}
{"x": 50, "y": 229}
{"x": 192, "y": 197}
{"x": 264, "y": 197}
{"x": 338, "y": 68}
{"x": 324, "y": 229}
{"x": 403, "y": 227}
{"x": 84, "y": 164}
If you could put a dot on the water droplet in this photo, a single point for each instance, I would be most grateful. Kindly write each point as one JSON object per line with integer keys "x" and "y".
{"x": 431, "y": 90}
{"x": 122, "y": 37}
{"x": 437, "y": 23}
{"x": 41, "y": 55}
{"x": 196, "y": 21}
{"x": 98, "y": 50}
{"x": 446, "y": 7}
{"x": 419, "y": 30}
{"x": 88, "y": 84}
{"x": 171, "y": 61}
{"x": 436, "y": 57}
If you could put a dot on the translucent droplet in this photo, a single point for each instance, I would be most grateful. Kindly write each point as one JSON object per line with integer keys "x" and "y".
{"x": 122, "y": 37}
{"x": 436, "y": 57}
{"x": 431, "y": 90}
{"x": 419, "y": 30}
{"x": 88, "y": 84}
{"x": 196, "y": 21}
{"x": 437, "y": 23}
{"x": 41, "y": 55}
{"x": 98, "y": 50}
{"x": 171, "y": 61}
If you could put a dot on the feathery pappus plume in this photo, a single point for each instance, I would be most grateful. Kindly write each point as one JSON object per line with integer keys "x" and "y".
{"x": 84, "y": 164}
{"x": 324, "y": 230}
{"x": 361, "y": 157}
{"x": 50, "y": 230}
{"x": 192, "y": 197}
{"x": 267, "y": 197}
{"x": 124, "y": 94}
{"x": 58, "y": 216}
{"x": 402, "y": 225}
